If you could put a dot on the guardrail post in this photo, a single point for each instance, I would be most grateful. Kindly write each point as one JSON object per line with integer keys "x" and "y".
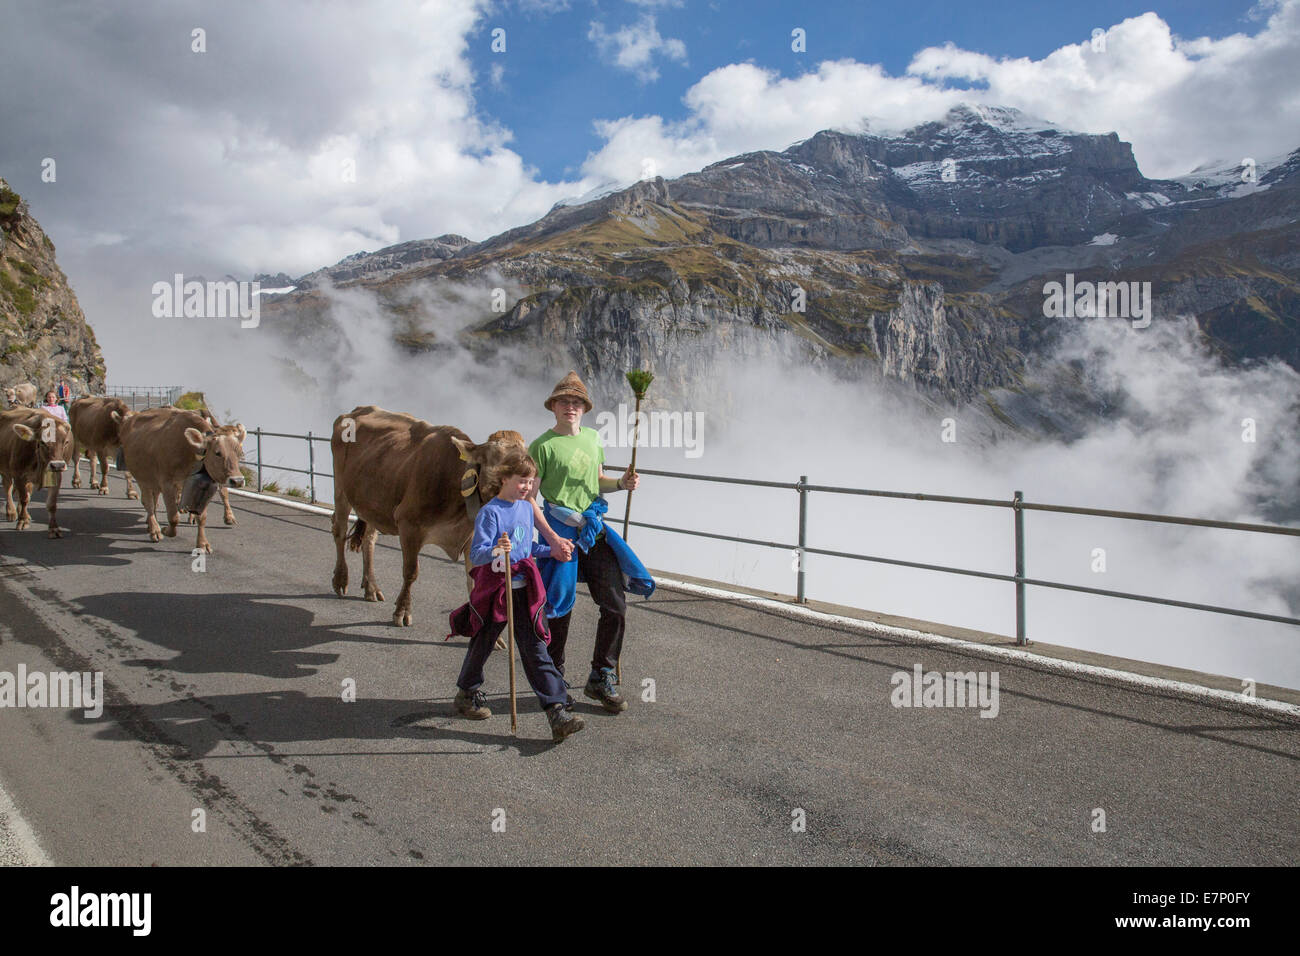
{"x": 259, "y": 459}
{"x": 1016, "y": 502}
{"x": 800, "y": 594}
{"x": 311, "y": 467}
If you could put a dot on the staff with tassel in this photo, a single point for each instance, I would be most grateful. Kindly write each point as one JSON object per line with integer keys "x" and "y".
{"x": 640, "y": 380}
{"x": 504, "y": 548}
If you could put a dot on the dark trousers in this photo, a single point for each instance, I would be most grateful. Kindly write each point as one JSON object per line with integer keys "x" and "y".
{"x": 543, "y": 676}
{"x": 605, "y": 583}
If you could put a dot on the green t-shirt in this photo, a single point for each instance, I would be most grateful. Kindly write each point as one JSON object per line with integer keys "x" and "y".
{"x": 568, "y": 467}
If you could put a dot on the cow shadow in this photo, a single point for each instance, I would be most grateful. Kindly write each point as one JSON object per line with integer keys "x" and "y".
{"x": 192, "y": 728}
{"x": 232, "y": 632}
{"x": 89, "y": 536}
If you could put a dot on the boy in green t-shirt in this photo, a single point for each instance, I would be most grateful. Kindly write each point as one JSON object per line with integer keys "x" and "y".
{"x": 569, "y": 469}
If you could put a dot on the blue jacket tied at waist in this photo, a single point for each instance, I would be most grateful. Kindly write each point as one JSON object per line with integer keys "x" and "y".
{"x": 562, "y": 577}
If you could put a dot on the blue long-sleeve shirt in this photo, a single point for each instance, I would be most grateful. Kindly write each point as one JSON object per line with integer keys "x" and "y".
{"x": 513, "y": 518}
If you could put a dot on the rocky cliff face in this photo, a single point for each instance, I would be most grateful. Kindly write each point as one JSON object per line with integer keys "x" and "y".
{"x": 43, "y": 333}
{"x": 917, "y": 260}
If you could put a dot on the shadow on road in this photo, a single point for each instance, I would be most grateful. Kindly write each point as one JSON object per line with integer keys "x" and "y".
{"x": 195, "y": 727}
{"x": 231, "y": 632}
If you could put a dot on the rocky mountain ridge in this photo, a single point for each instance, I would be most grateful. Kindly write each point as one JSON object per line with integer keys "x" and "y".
{"x": 918, "y": 260}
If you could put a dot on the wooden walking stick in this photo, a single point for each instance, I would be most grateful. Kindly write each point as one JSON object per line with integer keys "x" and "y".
{"x": 510, "y": 638}
{"x": 640, "y": 380}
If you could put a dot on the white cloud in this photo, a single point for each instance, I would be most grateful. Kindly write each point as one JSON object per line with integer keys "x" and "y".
{"x": 254, "y": 140}
{"x": 635, "y": 47}
{"x": 743, "y": 107}
{"x": 1180, "y": 102}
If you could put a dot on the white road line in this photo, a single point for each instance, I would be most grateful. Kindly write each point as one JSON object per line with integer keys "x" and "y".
{"x": 1007, "y": 653}
{"x": 18, "y": 843}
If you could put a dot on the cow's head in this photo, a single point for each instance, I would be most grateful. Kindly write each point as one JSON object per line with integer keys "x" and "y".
{"x": 52, "y": 440}
{"x": 220, "y": 450}
{"x": 118, "y": 410}
{"x": 480, "y": 481}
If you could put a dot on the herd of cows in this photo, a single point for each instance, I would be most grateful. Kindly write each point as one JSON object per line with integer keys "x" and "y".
{"x": 399, "y": 475}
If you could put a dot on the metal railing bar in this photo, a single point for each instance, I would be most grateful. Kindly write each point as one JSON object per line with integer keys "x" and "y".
{"x": 1164, "y": 519}
{"x": 992, "y": 575}
{"x": 1170, "y": 602}
{"x": 269, "y": 467}
{"x": 710, "y": 534}
{"x": 324, "y": 438}
{"x": 790, "y": 485}
{"x": 915, "y": 496}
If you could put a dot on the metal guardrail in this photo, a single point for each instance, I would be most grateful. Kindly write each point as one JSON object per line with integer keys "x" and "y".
{"x": 1017, "y": 504}
{"x": 145, "y": 396}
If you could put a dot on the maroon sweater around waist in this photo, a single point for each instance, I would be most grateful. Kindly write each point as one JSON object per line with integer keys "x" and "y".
{"x": 487, "y": 600}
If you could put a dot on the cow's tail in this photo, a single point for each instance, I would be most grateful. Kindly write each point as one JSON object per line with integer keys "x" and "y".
{"x": 358, "y": 533}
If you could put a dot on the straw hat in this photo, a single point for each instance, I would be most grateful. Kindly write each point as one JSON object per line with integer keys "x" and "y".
{"x": 570, "y": 386}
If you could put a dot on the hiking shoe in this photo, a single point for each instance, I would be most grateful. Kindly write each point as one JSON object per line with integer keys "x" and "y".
{"x": 602, "y": 686}
{"x": 562, "y": 722}
{"x": 474, "y": 706}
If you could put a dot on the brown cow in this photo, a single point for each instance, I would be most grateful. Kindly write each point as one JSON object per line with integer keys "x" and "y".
{"x": 96, "y": 433}
{"x": 32, "y": 441}
{"x": 228, "y": 516}
{"x": 418, "y": 481}
{"x": 162, "y": 447}
{"x": 24, "y": 395}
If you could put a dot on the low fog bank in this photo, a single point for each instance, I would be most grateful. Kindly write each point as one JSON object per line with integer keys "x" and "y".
{"x": 1173, "y": 446}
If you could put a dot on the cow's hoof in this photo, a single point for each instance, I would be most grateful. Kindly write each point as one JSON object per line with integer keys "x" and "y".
{"x": 340, "y": 582}
{"x": 230, "y": 520}
{"x": 76, "y": 483}
{"x": 171, "y": 531}
{"x": 22, "y": 525}
{"x": 133, "y": 496}
{"x": 155, "y": 535}
{"x": 373, "y": 593}
{"x": 103, "y": 489}
{"x": 403, "y": 618}
{"x": 56, "y": 533}
{"x": 10, "y": 514}
{"x": 205, "y": 547}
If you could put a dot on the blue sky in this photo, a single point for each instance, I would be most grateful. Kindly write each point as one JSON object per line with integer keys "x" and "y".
{"x": 231, "y": 160}
{"x": 555, "y": 80}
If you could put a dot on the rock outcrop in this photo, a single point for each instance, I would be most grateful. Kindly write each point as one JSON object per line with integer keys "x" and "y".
{"x": 43, "y": 334}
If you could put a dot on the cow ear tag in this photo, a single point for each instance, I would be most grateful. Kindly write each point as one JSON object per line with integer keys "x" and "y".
{"x": 468, "y": 482}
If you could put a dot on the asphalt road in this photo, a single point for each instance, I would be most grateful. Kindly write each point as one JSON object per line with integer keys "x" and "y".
{"x": 225, "y": 695}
